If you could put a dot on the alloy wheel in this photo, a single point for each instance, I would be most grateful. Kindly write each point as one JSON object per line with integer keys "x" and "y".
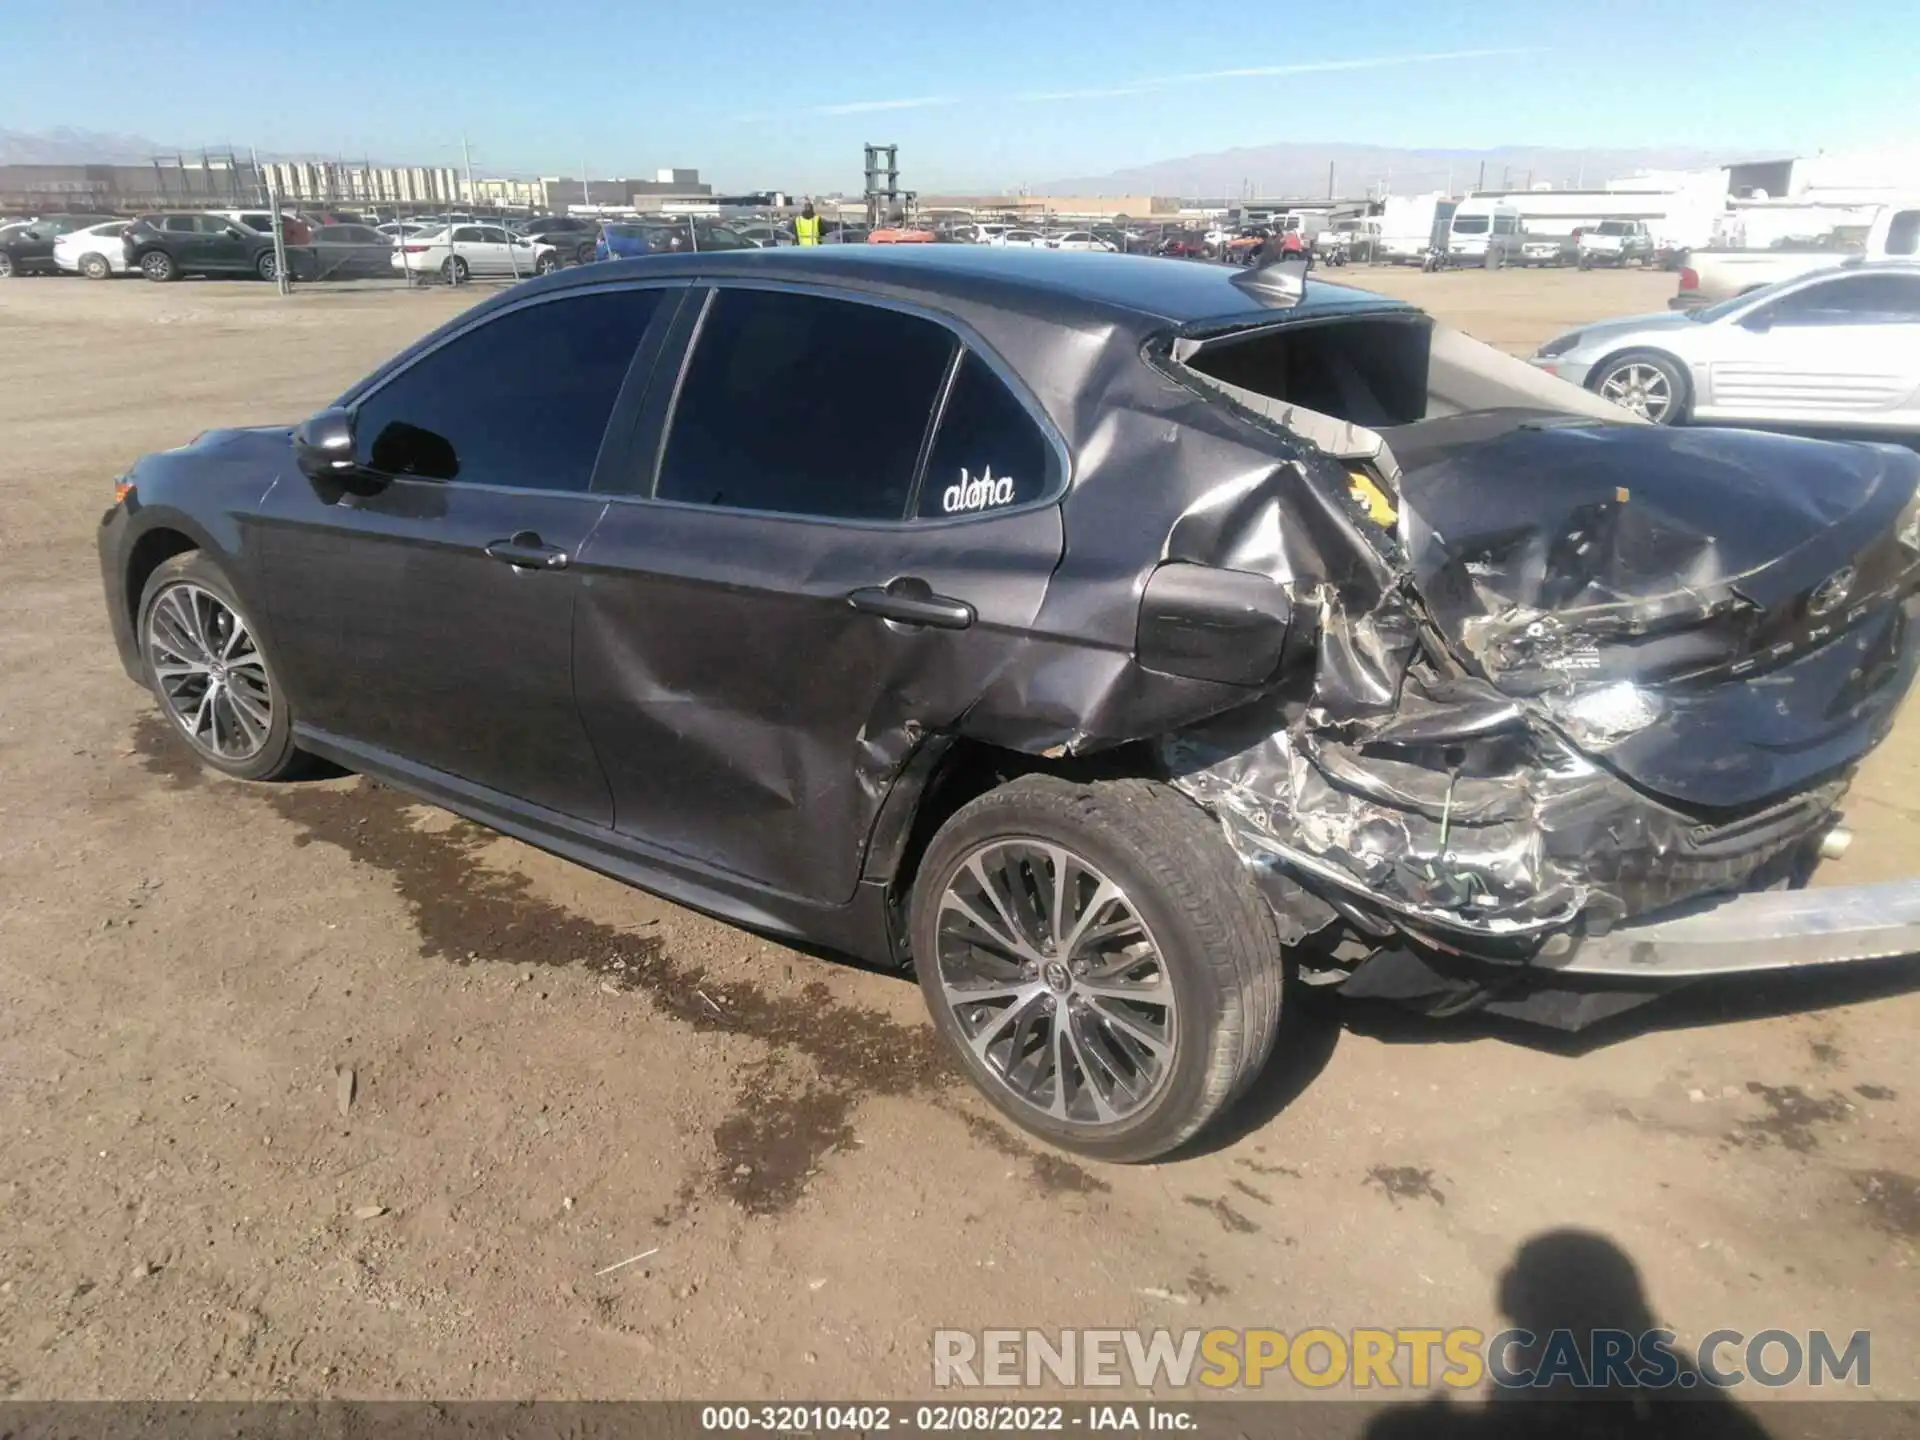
{"x": 212, "y": 677}
{"x": 156, "y": 266}
{"x": 1055, "y": 982}
{"x": 6, "y": 266}
{"x": 1641, "y": 388}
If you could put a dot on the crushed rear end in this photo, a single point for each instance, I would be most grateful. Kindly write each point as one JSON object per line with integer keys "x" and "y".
{"x": 1593, "y": 723}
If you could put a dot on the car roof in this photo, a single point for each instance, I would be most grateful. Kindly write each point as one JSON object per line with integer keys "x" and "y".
{"x": 1056, "y": 283}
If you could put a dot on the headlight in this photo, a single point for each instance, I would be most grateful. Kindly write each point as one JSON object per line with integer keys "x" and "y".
{"x": 1609, "y": 713}
{"x": 1560, "y": 345}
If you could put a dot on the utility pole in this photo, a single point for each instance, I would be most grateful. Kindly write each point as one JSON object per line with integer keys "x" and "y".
{"x": 1483, "y": 176}
{"x": 586, "y": 190}
{"x": 1329, "y": 179}
{"x": 281, "y": 279}
{"x": 466, "y": 154}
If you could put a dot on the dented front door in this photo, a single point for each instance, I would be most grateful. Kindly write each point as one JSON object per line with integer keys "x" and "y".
{"x": 749, "y": 694}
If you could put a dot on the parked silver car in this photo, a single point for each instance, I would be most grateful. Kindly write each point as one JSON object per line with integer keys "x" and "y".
{"x": 1838, "y": 348}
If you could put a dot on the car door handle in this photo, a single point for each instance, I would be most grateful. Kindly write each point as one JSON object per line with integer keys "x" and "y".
{"x": 911, "y": 601}
{"x": 527, "y": 551}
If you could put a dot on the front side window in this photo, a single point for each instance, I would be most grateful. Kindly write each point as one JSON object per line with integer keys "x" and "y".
{"x": 1903, "y": 233}
{"x": 989, "y": 453}
{"x": 179, "y": 224}
{"x": 1853, "y": 300}
{"x": 805, "y": 406}
{"x": 521, "y": 400}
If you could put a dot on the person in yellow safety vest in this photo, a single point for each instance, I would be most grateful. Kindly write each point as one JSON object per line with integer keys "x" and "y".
{"x": 806, "y": 226}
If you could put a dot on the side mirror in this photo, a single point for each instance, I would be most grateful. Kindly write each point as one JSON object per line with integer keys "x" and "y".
{"x": 1759, "y": 320}
{"x": 323, "y": 446}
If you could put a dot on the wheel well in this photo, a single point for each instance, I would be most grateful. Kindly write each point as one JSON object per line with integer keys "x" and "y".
{"x": 971, "y": 768}
{"x": 1599, "y": 367}
{"x": 150, "y": 552}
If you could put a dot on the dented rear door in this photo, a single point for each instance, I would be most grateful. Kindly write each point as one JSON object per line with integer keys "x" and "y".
{"x": 805, "y": 591}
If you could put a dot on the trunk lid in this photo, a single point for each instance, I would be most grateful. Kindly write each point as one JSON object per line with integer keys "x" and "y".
{"x": 1750, "y": 592}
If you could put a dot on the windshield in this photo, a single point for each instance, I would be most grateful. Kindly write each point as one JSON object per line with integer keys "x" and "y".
{"x": 1740, "y": 302}
{"x": 1470, "y": 224}
{"x": 1614, "y": 227}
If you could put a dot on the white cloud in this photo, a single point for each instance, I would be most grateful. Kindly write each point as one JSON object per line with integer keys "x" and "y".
{"x": 1249, "y": 72}
{"x": 862, "y": 107}
{"x": 854, "y": 107}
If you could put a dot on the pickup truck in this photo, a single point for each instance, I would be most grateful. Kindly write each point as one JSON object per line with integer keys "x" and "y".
{"x": 1722, "y": 272}
{"x": 1619, "y": 243}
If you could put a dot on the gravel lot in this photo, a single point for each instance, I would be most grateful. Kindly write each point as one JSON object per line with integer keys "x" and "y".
{"x": 551, "y": 1073}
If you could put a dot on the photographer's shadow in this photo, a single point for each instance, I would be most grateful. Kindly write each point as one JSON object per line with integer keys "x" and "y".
{"x": 1578, "y": 1282}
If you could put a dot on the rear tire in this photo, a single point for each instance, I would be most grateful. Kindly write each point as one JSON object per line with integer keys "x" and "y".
{"x": 266, "y": 267}
{"x": 216, "y": 688}
{"x": 1198, "y": 923}
{"x": 454, "y": 271}
{"x": 158, "y": 266}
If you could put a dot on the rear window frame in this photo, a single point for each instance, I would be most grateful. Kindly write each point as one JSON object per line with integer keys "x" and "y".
{"x": 1060, "y": 468}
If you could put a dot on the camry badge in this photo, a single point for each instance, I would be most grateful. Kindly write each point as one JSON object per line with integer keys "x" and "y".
{"x": 1831, "y": 593}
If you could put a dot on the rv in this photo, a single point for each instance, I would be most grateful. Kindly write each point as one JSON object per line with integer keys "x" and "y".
{"x": 1410, "y": 225}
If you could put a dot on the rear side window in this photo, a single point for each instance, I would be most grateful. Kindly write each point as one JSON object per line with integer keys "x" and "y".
{"x": 522, "y": 400}
{"x": 804, "y": 405}
{"x": 989, "y": 454}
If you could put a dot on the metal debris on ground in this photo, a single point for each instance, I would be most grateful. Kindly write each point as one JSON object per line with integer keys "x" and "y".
{"x": 631, "y": 1259}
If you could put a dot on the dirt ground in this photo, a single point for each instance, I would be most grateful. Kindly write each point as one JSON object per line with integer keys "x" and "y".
{"x": 550, "y": 1073}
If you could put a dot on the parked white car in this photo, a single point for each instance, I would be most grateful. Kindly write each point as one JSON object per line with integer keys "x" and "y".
{"x": 1084, "y": 240}
{"x": 458, "y": 251}
{"x": 1840, "y": 348}
{"x": 95, "y": 252}
{"x": 1020, "y": 240}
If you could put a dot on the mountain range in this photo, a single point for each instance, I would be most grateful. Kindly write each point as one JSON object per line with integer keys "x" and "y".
{"x": 1282, "y": 170}
{"x": 1301, "y": 170}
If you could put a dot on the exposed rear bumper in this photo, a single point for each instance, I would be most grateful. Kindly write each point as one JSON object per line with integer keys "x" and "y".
{"x": 1768, "y": 930}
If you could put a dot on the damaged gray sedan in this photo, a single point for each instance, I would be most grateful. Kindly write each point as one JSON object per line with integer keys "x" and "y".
{"x": 1103, "y": 638}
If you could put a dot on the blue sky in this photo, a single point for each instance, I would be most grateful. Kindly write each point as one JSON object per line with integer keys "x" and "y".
{"x": 987, "y": 93}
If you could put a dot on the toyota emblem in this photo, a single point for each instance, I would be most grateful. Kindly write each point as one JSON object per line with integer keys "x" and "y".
{"x": 1831, "y": 593}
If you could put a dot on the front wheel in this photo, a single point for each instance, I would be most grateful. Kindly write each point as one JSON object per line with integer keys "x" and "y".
{"x": 1099, "y": 961}
{"x": 208, "y": 666}
{"x": 1651, "y": 385}
{"x": 6, "y": 266}
{"x": 95, "y": 267}
{"x": 546, "y": 265}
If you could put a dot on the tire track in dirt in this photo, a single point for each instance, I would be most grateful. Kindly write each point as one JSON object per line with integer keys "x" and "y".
{"x": 786, "y": 1120}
